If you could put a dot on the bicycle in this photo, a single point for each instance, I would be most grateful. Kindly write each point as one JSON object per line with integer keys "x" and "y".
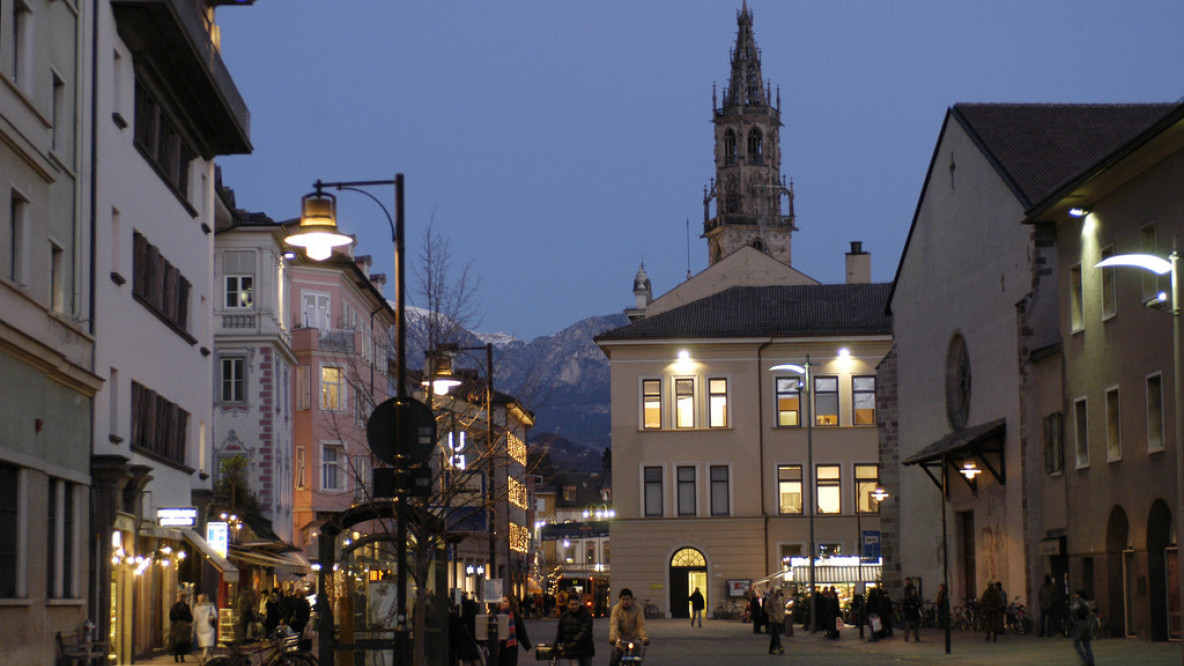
{"x": 632, "y": 652}
{"x": 280, "y": 650}
{"x": 726, "y": 610}
{"x": 651, "y": 610}
{"x": 1016, "y": 618}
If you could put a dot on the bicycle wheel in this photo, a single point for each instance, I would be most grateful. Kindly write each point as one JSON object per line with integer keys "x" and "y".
{"x": 219, "y": 661}
{"x": 297, "y": 659}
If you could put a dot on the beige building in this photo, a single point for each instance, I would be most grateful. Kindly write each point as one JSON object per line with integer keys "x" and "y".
{"x": 1016, "y": 381}
{"x": 727, "y": 463}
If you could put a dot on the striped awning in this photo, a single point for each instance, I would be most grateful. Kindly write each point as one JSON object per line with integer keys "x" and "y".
{"x": 826, "y": 574}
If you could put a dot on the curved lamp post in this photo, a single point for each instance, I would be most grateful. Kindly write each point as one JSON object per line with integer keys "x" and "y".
{"x": 318, "y": 234}
{"x": 1161, "y": 266}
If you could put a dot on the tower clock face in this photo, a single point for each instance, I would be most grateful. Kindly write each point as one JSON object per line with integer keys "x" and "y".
{"x": 958, "y": 383}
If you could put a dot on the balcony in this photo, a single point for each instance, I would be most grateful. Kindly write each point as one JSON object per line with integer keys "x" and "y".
{"x": 173, "y": 37}
{"x": 252, "y": 324}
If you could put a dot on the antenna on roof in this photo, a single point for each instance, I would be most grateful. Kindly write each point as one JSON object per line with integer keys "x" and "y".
{"x": 688, "y": 248}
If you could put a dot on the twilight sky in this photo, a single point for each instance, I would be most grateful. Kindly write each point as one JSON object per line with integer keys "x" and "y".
{"x": 557, "y": 144}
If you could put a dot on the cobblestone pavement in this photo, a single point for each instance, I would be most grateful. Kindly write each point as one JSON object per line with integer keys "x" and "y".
{"x": 731, "y": 642}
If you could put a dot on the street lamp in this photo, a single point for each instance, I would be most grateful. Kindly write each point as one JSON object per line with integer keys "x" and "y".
{"x": 1161, "y": 266}
{"x": 442, "y": 382}
{"x": 804, "y": 371}
{"x": 879, "y": 494}
{"x": 318, "y": 234}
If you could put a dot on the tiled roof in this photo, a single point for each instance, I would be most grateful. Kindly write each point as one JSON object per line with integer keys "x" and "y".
{"x": 787, "y": 311}
{"x": 1041, "y": 146}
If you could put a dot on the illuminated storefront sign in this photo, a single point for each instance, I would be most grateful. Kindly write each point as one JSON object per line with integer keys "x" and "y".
{"x": 185, "y": 516}
{"x": 218, "y": 536}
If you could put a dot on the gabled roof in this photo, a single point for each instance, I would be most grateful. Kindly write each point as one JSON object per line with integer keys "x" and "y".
{"x": 1039, "y": 148}
{"x": 785, "y": 311}
{"x": 1036, "y": 147}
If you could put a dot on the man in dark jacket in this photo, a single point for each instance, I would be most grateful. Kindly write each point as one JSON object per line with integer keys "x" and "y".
{"x": 573, "y": 636}
{"x": 697, "y": 605}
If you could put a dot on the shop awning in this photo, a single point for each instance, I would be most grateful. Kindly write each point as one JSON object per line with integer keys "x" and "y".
{"x": 229, "y": 571}
{"x": 826, "y": 574}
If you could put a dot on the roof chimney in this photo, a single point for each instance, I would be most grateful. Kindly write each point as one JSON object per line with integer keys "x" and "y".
{"x": 859, "y": 265}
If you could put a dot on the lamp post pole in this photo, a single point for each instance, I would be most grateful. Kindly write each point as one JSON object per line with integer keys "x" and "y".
{"x": 945, "y": 545}
{"x": 810, "y": 485}
{"x": 323, "y": 235}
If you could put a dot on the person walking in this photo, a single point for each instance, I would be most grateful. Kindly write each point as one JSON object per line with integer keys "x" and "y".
{"x": 943, "y": 606}
{"x": 626, "y": 623}
{"x": 992, "y": 608}
{"x": 507, "y": 654}
{"x": 573, "y": 635}
{"x": 775, "y": 612}
{"x": 180, "y": 629}
{"x": 1083, "y": 628}
{"x": 697, "y": 605}
{"x": 205, "y": 626}
{"x": 911, "y": 605}
{"x": 1048, "y": 602}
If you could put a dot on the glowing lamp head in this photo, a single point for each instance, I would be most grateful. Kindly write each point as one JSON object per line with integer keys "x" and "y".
{"x": 317, "y": 232}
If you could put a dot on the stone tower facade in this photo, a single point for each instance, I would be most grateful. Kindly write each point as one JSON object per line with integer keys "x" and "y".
{"x": 748, "y": 189}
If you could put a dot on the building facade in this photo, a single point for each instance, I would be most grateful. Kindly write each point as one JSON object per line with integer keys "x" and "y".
{"x": 994, "y": 271}
{"x": 253, "y": 360}
{"x": 745, "y": 448}
{"x": 164, "y": 107}
{"x": 47, "y": 342}
{"x": 340, "y": 322}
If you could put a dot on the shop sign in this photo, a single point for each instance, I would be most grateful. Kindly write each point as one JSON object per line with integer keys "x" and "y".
{"x": 182, "y": 516}
{"x": 218, "y": 536}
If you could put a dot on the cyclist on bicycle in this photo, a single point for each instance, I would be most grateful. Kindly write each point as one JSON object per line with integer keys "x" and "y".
{"x": 627, "y": 623}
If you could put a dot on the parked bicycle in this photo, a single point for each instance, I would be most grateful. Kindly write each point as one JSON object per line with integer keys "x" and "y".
{"x": 279, "y": 650}
{"x": 651, "y": 610}
{"x": 726, "y": 610}
{"x": 1015, "y": 618}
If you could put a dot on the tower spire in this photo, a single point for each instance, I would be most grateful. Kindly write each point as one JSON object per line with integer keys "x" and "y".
{"x": 748, "y": 190}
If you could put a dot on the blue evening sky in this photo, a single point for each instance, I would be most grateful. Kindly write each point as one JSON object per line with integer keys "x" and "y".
{"x": 557, "y": 144}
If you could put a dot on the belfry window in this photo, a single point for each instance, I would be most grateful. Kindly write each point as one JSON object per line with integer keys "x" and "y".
{"x": 755, "y": 146}
{"x": 729, "y": 147}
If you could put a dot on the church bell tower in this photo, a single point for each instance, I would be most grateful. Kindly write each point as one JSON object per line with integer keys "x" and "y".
{"x": 748, "y": 190}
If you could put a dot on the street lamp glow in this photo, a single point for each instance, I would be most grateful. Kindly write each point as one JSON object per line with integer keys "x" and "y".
{"x": 792, "y": 367}
{"x": 317, "y": 232}
{"x": 1150, "y": 262}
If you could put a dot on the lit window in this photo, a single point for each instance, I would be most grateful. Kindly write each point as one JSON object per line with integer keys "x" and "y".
{"x": 684, "y": 403}
{"x": 1155, "y": 413}
{"x": 789, "y": 488}
{"x": 863, "y": 400}
{"x": 867, "y": 479}
{"x": 651, "y": 404}
{"x": 1081, "y": 433}
{"x": 717, "y": 399}
{"x": 238, "y": 271}
{"x": 789, "y": 402}
{"x": 829, "y": 489}
{"x": 826, "y": 401}
{"x": 331, "y": 388}
{"x": 1113, "y": 426}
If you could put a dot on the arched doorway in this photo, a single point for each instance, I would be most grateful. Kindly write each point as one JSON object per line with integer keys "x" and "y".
{"x": 1164, "y": 597}
{"x": 688, "y": 570}
{"x": 1119, "y": 590}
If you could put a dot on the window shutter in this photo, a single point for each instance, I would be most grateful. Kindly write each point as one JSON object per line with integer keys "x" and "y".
{"x": 303, "y": 387}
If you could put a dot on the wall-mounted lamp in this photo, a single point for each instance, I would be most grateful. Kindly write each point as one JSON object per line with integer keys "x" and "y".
{"x": 684, "y": 355}
{"x": 1079, "y": 211}
{"x": 879, "y": 494}
{"x": 970, "y": 470}
{"x": 844, "y": 352}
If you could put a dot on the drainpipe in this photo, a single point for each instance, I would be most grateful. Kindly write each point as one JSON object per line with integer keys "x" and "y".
{"x": 760, "y": 423}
